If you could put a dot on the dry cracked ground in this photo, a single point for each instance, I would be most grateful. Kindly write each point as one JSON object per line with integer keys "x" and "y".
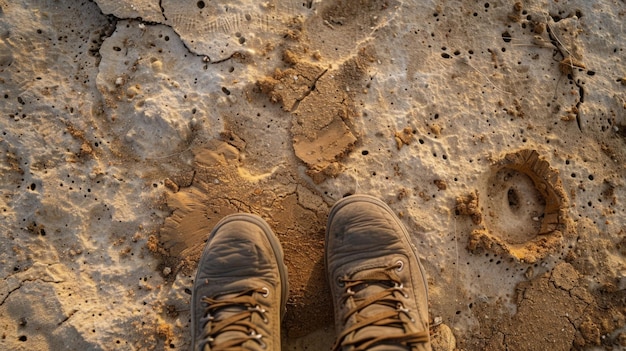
{"x": 130, "y": 129}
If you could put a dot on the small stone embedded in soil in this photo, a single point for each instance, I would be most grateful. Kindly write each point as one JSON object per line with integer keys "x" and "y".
{"x": 441, "y": 184}
{"x": 171, "y": 185}
{"x": 404, "y": 137}
{"x": 436, "y": 129}
{"x": 468, "y": 205}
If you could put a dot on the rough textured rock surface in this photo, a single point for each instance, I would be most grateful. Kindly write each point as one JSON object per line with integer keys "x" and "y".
{"x": 128, "y": 128}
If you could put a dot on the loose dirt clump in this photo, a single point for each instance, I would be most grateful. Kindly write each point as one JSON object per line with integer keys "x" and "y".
{"x": 322, "y": 105}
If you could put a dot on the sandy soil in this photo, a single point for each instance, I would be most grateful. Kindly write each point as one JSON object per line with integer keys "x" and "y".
{"x": 496, "y": 130}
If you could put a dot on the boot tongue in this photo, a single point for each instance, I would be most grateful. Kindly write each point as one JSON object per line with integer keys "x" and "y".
{"x": 376, "y": 282}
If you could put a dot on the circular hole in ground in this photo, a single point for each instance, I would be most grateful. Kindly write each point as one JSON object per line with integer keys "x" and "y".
{"x": 513, "y": 207}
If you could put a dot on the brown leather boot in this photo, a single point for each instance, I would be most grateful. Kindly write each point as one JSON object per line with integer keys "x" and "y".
{"x": 377, "y": 282}
{"x": 240, "y": 291}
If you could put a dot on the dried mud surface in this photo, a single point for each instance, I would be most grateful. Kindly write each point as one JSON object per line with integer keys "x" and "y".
{"x": 216, "y": 186}
{"x": 495, "y": 130}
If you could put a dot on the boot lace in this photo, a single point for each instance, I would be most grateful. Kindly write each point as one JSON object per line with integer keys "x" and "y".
{"x": 391, "y": 314}
{"x": 232, "y": 313}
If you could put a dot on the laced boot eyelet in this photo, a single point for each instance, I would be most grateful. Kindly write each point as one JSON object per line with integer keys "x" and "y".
{"x": 207, "y": 318}
{"x": 261, "y": 311}
{"x": 266, "y": 292}
{"x": 258, "y": 337}
{"x": 399, "y": 266}
{"x": 400, "y": 287}
{"x": 401, "y": 308}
